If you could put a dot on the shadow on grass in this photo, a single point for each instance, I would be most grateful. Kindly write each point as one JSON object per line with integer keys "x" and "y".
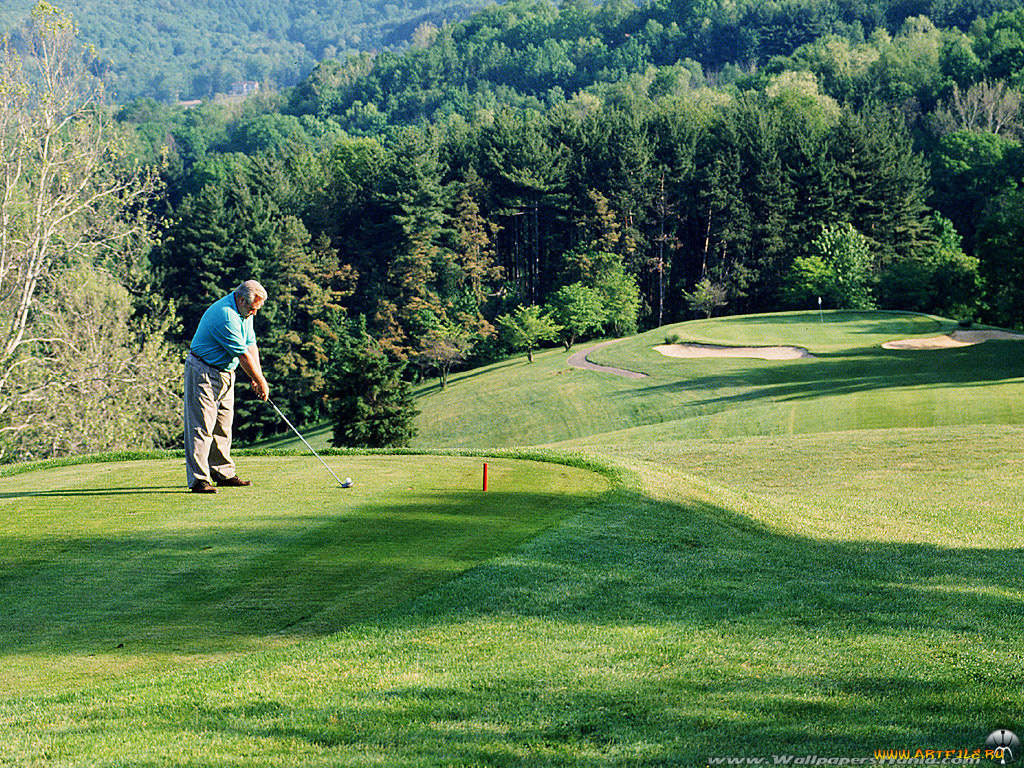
{"x": 459, "y": 376}
{"x": 75, "y": 493}
{"x": 703, "y": 565}
{"x": 200, "y": 583}
{"x": 809, "y": 639}
{"x": 639, "y": 633}
{"x": 757, "y": 643}
{"x": 677, "y": 721}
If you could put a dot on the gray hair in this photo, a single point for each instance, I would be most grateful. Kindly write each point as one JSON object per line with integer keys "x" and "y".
{"x": 247, "y": 292}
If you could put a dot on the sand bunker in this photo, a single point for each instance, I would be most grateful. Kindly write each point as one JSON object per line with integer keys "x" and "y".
{"x": 954, "y": 339}
{"x": 708, "y": 350}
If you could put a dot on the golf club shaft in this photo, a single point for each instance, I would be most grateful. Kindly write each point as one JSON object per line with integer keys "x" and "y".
{"x": 272, "y": 403}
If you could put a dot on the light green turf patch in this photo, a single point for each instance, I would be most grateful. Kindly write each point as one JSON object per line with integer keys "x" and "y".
{"x": 947, "y": 487}
{"x": 114, "y": 568}
{"x": 702, "y": 610}
{"x": 850, "y": 383}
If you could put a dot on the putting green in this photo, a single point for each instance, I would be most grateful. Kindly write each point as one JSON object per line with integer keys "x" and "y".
{"x": 113, "y": 569}
{"x": 819, "y": 332}
{"x": 851, "y": 382}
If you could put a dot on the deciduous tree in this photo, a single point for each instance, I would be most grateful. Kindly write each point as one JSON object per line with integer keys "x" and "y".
{"x": 68, "y": 204}
{"x": 443, "y": 348}
{"x": 983, "y": 106}
{"x": 579, "y": 310}
{"x": 527, "y": 327}
{"x": 706, "y": 297}
{"x": 839, "y": 269}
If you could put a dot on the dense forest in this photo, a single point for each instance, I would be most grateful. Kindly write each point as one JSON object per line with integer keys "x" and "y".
{"x": 543, "y": 173}
{"x": 194, "y": 49}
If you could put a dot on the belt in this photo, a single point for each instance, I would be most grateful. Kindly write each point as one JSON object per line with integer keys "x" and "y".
{"x": 197, "y": 357}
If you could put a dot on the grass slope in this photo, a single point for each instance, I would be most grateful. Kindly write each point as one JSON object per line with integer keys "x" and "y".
{"x": 788, "y": 589}
{"x": 676, "y": 619}
{"x": 850, "y": 383}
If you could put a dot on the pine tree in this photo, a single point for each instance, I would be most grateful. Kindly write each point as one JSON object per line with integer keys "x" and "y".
{"x": 197, "y": 253}
{"x": 772, "y": 199}
{"x": 369, "y": 403}
{"x": 678, "y": 134}
{"x": 526, "y": 167}
{"x": 473, "y": 248}
{"x": 234, "y": 229}
{"x": 410, "y": 249}
{"x": 885, "y": 182}
{"x": 726, "y": 215}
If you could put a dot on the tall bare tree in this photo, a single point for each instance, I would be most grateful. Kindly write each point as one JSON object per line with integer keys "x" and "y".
{"x": 68, "y": 200}
{"x": 984, "y": 106}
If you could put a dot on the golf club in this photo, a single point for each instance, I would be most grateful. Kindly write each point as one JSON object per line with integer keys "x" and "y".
{"x": 347, "y": 482}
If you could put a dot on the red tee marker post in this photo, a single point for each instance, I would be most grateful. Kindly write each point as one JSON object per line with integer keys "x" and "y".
{"x": 485, "y": 475}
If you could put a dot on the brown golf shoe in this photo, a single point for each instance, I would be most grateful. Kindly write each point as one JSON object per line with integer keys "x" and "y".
{"x": 232, "y": 482}
{"x": 201, "y": 486}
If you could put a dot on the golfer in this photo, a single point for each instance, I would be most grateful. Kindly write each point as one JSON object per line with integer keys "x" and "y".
{"x": 223, "y": 340}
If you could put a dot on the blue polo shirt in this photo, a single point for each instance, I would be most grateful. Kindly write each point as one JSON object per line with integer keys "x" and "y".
{"x": 223, "y": 335}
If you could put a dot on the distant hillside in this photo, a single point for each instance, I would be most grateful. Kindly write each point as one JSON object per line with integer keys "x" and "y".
{"x": 191, "y": 49}
{"x": 194, "y": 49}
{"x": 536, "y": 53}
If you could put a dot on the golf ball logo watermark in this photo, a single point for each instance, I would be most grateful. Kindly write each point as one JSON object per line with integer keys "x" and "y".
{"x": 1004, "y": 745}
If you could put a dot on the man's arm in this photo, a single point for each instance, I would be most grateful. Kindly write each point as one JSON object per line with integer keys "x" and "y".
{"x": 250, "y": 363}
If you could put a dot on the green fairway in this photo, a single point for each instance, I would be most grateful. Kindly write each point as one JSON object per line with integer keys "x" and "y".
{"x": 736, "y": 557}
{"x": 850, "y": 383}
{"x": 109, "y": 569}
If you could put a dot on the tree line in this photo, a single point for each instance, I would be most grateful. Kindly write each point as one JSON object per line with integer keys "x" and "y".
{"x": 171, "y": 49}
{"x": 435, "y": 235}
{"x": 407, "y": 234}
{"x": 473, "y": 186}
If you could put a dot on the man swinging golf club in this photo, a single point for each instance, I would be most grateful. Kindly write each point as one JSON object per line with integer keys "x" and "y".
{"x": 224, "y": 340}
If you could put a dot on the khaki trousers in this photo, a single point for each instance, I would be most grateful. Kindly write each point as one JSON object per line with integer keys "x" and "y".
{"x": 209, "y": 411}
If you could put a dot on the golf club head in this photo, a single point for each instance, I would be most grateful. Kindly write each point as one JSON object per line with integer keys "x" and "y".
{"x": 347, "y": 483}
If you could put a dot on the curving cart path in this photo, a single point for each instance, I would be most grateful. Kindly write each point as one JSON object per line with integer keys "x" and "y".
{"x": 579, "y": 360}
